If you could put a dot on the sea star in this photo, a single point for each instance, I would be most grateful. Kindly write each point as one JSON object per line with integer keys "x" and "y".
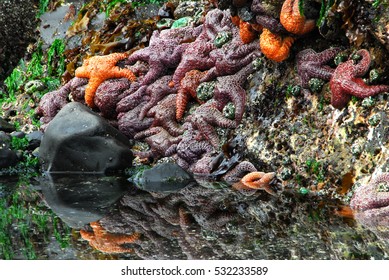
{"x": 207, "y": 115}
{"x": 293, "y": 20}
{"x": 108, "y": 94}
{"x": 100, "y": 68}
{"x": 374, "y": 195}
{"x": 164, "y": 52}
{"x": 237, "y": 173}
{"x": 217, "y": 21}
{"x": 274, "y": 46}
{"x": 231, "y": 58}
{"x": 371, "y": 205}
{"x": 164, "y": 114}
{"x": 345, "y": 81}
{"x": 132, "y": 99}
{"x": 157, "y": 91}
{"x": 264, "y": 19}
{"x": 229, "y": 88}
{"x": 195, "y": 57}
{"x": 159, "y": 141}
{"x": 129, "y": 123}
{"x": 52, "y": 102}
{"x": 191, "y": 148}
{"x": 187, "y": 89}
{"x": 311, "y": 64}
{"x": 107, "y": 242}
{"x": 246, "y": 32}
{"x": 256, "y": 181}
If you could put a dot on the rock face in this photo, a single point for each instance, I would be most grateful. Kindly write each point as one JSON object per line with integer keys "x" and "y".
{"x": 17, "y": 21}
{"x": 78, "y": 140}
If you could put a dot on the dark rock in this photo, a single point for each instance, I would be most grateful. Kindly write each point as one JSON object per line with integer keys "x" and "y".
{"x": 81, "y": 199}
{"x": 18, "y": 134}
{"x": 5, "y": 140}
{"x": 165, "y": 177}
{"x": 8, "y": 158}
{"x": 17, "y": 22}
{"x": 6, "y": 126}
{"x": 34, "y": 139}
{"x": 78, "y": 140}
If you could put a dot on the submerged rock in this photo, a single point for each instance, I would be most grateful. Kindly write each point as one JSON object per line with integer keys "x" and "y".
{"x": 164, "y": 177}
{"x": 78, "y": 140}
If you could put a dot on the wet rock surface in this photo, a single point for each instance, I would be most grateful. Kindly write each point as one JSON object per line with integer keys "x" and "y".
{"x": 78, "y": 140}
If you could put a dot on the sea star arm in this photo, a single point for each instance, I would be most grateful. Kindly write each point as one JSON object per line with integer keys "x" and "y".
{"x": 358, "y": 88}
{"x": 363, "y": 65}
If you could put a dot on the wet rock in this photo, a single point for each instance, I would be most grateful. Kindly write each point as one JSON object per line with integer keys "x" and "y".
{"x": 8, "y": 158}
{"x": 6, "y": 126}
{"x": 188, "y": 9}
{"x": 18, "y": 134}
{"x": 34, "y": 139}
{"x": 17, "y": 21}
{"x": 163, "y": 178}
{"x": 81, "y": 199}
{"x": 5, "y": 140}
{"x": 78, "y": 140}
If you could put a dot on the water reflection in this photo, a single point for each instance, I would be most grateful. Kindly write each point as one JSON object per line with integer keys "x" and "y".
{"x": 80, "y": 199}
{"x": 208, "y": 222}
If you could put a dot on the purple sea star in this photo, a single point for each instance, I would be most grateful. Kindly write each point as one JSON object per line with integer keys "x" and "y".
{"x": 157, "y": 91}
{"x": 311, "y": 64}
{"x": 231, "y": 58}
{"x": 52, "y": 102}
{"x": 159, "y": 141}
{"x": 191, "y": 148}
{"x": 264, "y": 19}
{"x": 108, "y": 94}
{"x": 229, "y": 88}
{"x": 164, "y": 52}
{"x": 345, "y": 81}
{"x": 374, "y": 195}
{"x": 164, "y": 114}
{"x": 129, "y": 123}
{"x": 207, "y": 115}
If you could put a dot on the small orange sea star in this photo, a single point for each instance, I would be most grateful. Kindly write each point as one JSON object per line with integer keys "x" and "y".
{"x": 100, "y": 68}
{"x": 293, "y": 20}
{"x": 256, "y": 181}
{"x": 107, "y": 242}
{"x": 274, "y": 46}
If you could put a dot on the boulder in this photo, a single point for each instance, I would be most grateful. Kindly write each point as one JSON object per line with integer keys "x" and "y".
{"x": 8, "y": 158}
{"x": 78, "y": 140}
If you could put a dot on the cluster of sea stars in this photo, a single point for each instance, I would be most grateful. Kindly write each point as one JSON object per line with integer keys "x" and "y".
{"x": 276, "y": 34}
{"x": 146, "y": 95}
{"x": 345, "y": 80}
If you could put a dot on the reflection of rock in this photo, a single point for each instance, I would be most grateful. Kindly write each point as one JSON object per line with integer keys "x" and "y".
{"x": 81, "y": 199}
{"x": 164, "y": 177}
{"x": 78, "y": 140}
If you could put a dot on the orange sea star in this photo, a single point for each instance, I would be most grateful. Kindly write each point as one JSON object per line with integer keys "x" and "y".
{"x": 100, "y": 68}
{"x": 274, "y": 46}
{"x": 256, "y": 181}
{"x": 293, "y": 20}
{"x": 107, "y": 242}
{"x": 188, "y": 86}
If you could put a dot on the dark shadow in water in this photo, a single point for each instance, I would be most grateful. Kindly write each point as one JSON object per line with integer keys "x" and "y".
{"x": 79, "y": 199}
{"x": 207, "y": 222}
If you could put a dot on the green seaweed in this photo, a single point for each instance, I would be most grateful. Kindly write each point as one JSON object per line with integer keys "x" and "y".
{"x": 326, "y": 5}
